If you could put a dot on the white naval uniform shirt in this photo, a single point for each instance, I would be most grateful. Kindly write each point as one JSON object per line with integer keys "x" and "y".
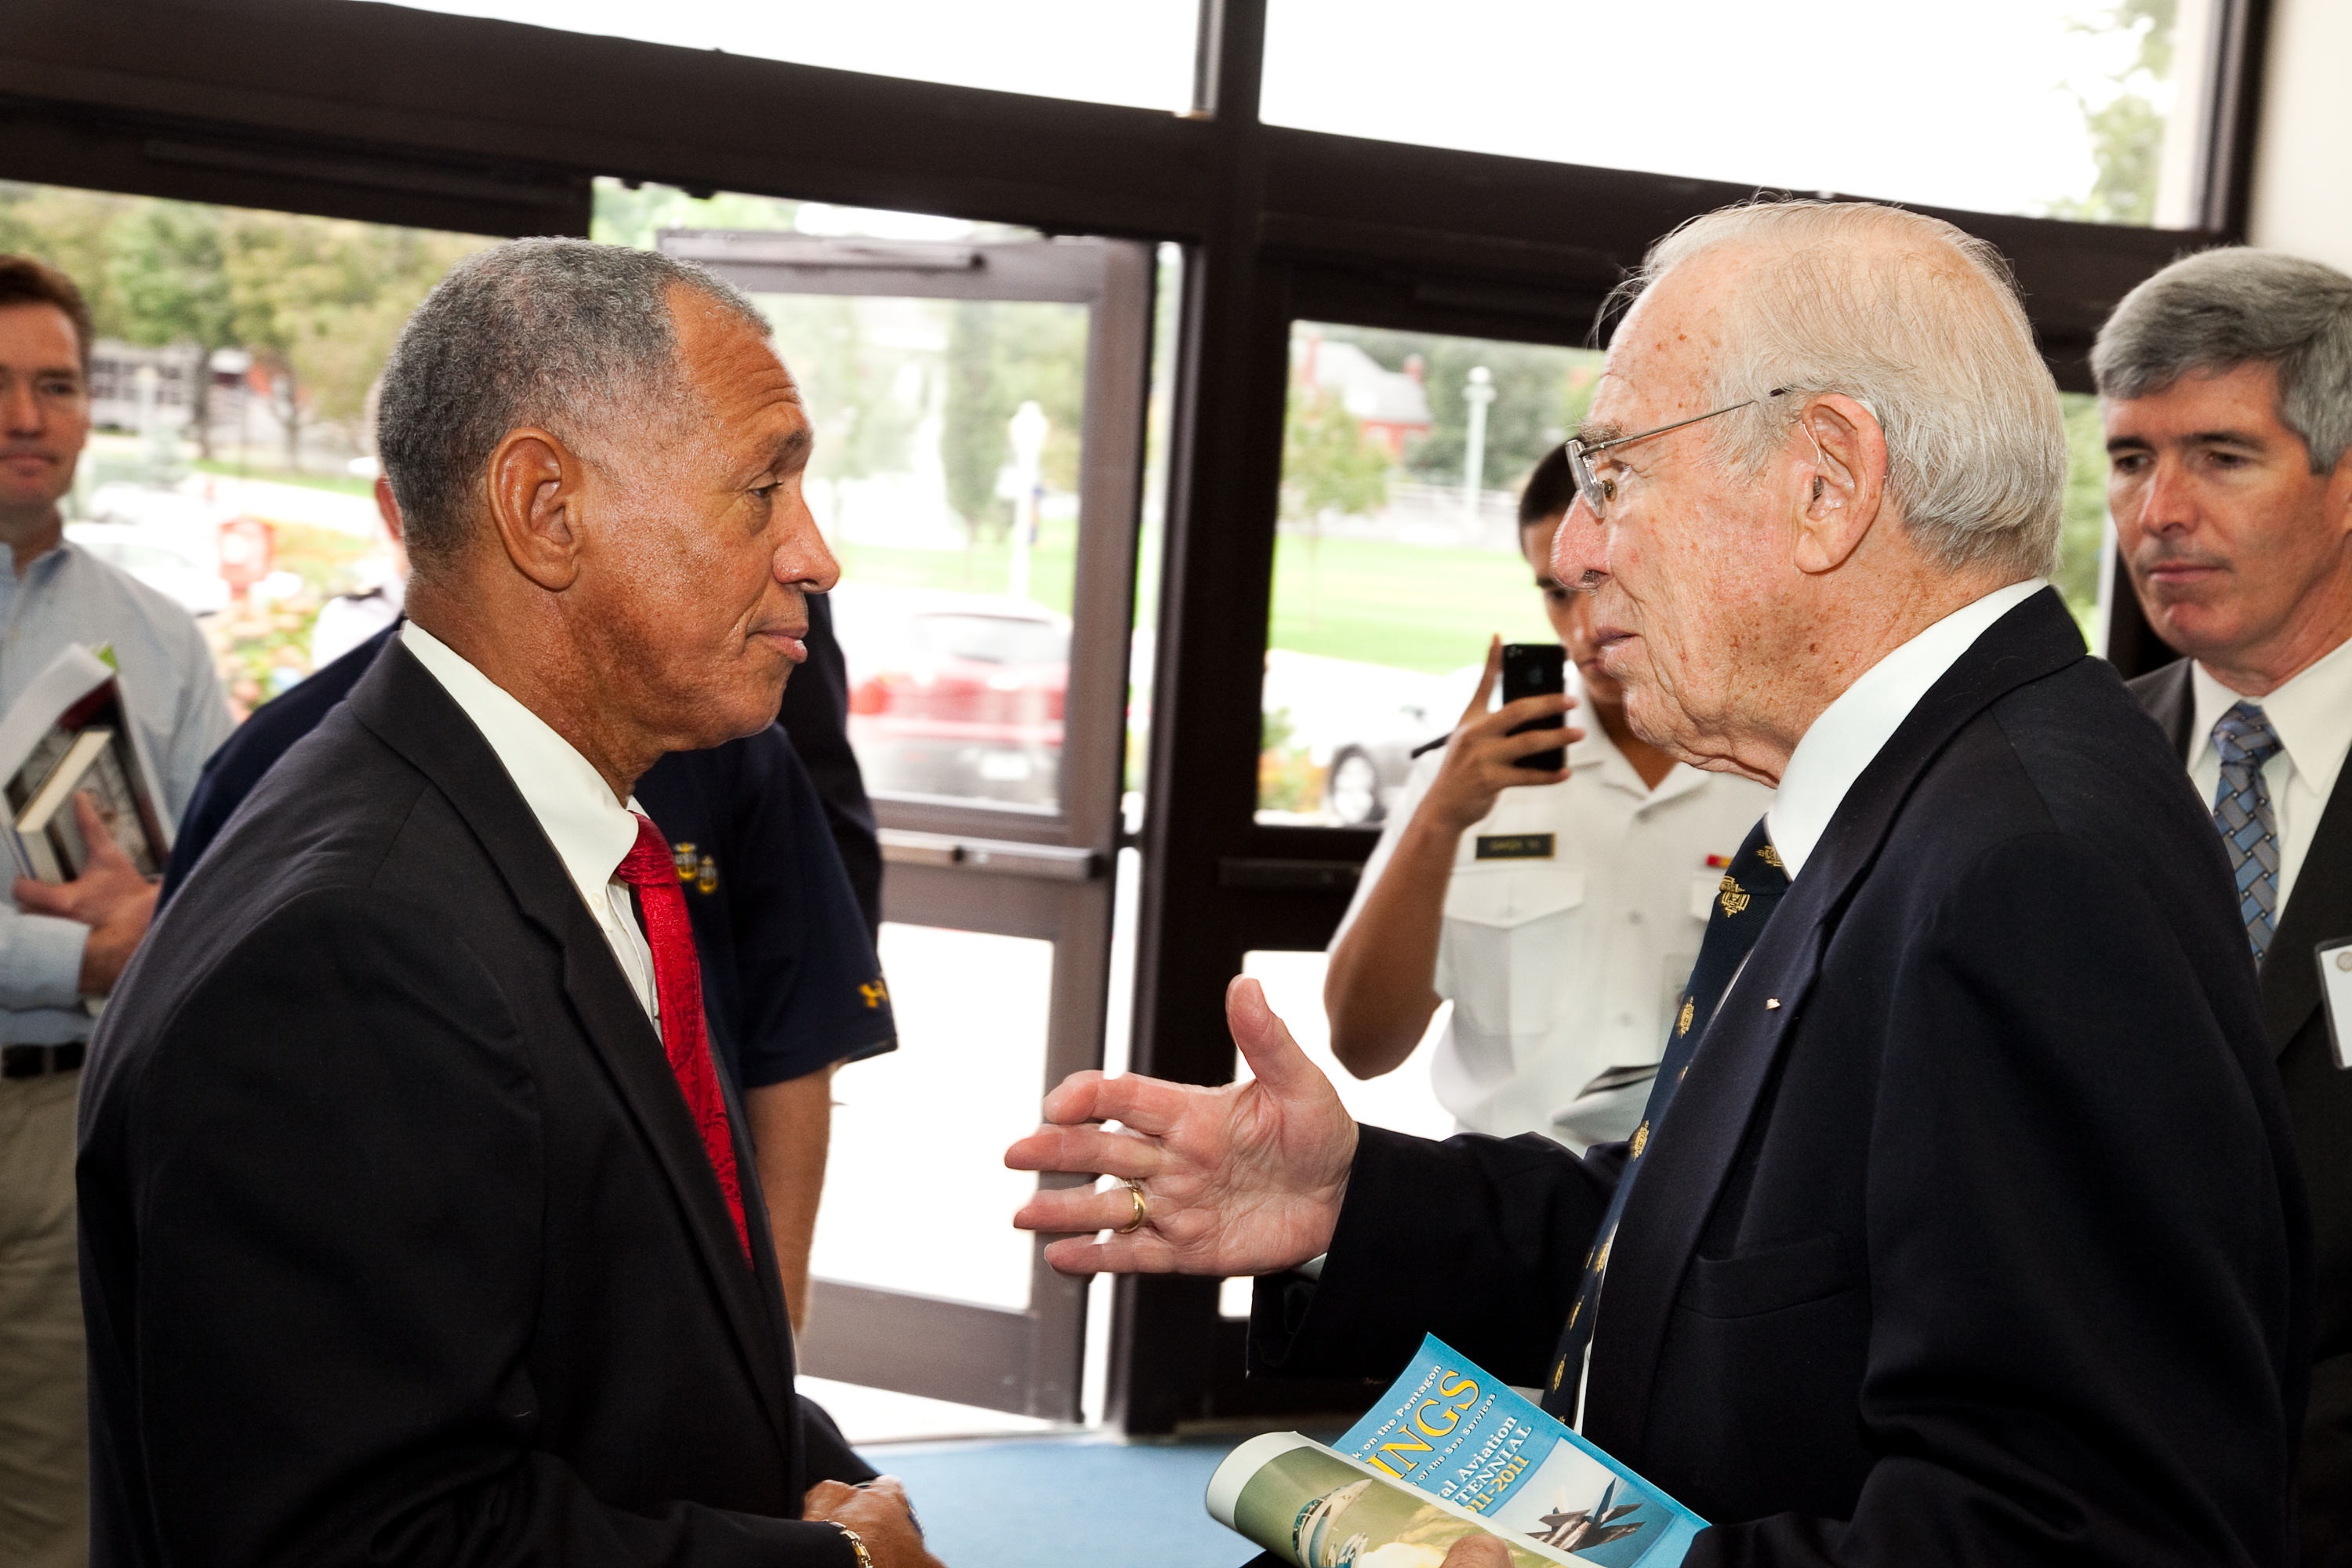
{"x": 1562, "y": 967}
{"x": 592, "y": 832}
{"x": 2312, "y": 716}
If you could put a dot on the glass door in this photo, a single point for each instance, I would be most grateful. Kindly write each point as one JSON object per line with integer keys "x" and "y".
{"x": 980, "y": 414}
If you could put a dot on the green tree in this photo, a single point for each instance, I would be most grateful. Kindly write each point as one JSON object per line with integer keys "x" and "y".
{"x": 999, "y": 357}
{"x": 321, "y": 301}
{"x": 2083, "y": 527}
{"x": 1540, "y": 394}
{"x": 2127, "y": 133}
{"x": 1327, "y": 464}
{"x": 167, "y": 285}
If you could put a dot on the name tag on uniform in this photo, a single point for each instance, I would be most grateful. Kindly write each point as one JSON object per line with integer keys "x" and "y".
{"x": 1515, "y": 845}
{"x": 2336, "y": 987}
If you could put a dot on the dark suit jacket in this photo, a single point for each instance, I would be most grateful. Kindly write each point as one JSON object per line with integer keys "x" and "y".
{"x": 788, "y": 967}
{"x": 2319, "y": 1098}
{"x": 1974, "y": 1234}
{"x": 399, "y": 1242}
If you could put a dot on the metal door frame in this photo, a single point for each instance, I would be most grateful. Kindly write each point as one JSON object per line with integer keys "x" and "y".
{"x": 1009, "y": 870}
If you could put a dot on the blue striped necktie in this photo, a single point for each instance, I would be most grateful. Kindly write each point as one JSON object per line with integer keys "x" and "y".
{"x": 2242, "y": 810}
{"x": 1744, "y": 900}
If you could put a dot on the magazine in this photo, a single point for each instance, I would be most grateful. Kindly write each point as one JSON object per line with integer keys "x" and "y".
{"x": 1449, "y": 1451}
{"x": 70, "y": 734}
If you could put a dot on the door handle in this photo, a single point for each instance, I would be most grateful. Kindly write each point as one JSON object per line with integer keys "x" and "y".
{"x": 1005, "y": 857}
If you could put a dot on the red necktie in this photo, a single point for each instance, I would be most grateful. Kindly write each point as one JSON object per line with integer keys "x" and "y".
{"x": 652, "y": 870}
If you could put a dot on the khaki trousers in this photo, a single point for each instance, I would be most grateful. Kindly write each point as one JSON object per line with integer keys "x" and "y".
{"x": 43, "y": 1414}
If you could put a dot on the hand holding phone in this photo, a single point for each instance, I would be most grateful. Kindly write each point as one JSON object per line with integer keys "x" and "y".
{"x": 1536, "y": 669}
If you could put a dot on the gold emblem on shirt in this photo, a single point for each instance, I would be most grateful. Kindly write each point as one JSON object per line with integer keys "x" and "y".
{"x": 1770, "y": 857}
{"x": 696, "y": 869}
{"x": 1683, "y": 1022}
{"x": 1640, "y": 1139}
{"x": 875, "y": 992}
{"x": 1732, "y": 896}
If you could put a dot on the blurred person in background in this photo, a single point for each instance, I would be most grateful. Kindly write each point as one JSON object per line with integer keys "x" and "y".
{"x": 793, "y": 986}
{"x": 63, "y": 946}
{"x": 1559, "y": 912}
{"x": 2225, "y": 382}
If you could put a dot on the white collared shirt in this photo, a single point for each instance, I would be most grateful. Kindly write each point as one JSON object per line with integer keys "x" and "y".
{"x": 2312, "y": 716}
{"x": 592, "y": 832}
{"x": 1564, "y": 965}
{"x": 1853, "y": 729}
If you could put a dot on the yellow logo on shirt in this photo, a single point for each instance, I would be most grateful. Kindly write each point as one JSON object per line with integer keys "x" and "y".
{"x": 875, "y": 992}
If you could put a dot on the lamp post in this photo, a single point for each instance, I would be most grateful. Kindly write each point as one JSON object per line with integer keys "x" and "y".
{"x": 1028, "y": 427}
{"x": 1476, "y": 396}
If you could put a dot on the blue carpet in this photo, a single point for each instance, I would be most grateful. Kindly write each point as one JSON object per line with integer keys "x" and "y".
{"x": 1040, "y": 1502}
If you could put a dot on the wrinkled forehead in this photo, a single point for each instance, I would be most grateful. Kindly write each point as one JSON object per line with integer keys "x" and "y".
{"x": 1660, "y": 362}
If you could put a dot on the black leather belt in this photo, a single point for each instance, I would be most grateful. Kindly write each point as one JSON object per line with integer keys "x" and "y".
{"x": 39, "y": 1061}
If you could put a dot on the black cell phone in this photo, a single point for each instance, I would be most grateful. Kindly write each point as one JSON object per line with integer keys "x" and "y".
{"x": 1536, "y": 669}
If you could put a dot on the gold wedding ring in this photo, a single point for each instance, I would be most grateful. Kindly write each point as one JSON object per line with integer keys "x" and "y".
{"x": 1142, "y": 1207}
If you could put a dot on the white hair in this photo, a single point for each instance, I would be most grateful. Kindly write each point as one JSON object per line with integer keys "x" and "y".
{"x": 1917, "y": 320}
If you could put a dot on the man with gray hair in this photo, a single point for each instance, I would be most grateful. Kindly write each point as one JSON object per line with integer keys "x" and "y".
{"x": 2225, "y": 381}
{"x": 1963, "y": 1225}
{"x": 418, "y": 1225}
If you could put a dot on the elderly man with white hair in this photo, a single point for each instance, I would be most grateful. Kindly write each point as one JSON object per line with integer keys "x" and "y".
{"x": 1964, "y": 1226}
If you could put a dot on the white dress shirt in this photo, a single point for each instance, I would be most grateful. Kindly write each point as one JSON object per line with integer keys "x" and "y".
{"x": 1851, "y": 731}
{"x": 592, "y": 832}
{"x": 2312, "y": 716}
{"x": 1564, "y": 965}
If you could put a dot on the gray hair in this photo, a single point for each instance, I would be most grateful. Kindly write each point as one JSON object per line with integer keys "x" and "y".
{"x": 1919, "y": 321}
{"x": 2222, "y": 309}
{"x": 561, "y": 333}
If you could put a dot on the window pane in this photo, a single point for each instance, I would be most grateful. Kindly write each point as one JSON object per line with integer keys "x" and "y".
{"x": 946, "y": 479}
{"x": 2057, "y": 108}
{"x": 1391, "y": 570}
{"x": 2084, "y": 534}
{"x": 1136, "y": 52}
{"x": 962, "y": 1086}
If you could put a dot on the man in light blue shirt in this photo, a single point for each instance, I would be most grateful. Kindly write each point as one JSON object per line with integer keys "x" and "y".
{"x": 64, "y": 945}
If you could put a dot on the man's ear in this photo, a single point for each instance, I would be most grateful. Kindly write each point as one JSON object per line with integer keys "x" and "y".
{"x": 535, "y": 488}
{"x": 1841, "y": 479}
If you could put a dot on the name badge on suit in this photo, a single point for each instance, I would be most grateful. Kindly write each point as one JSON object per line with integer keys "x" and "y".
{"x": 2336, "y": 986}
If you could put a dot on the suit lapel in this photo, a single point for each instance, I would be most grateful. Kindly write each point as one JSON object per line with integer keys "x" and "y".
{"x": 2319, "y": 910}
{"x": 2170, "y": 699}
{"x": 410, "y": 711}
{"x": 1695, "y": 1146}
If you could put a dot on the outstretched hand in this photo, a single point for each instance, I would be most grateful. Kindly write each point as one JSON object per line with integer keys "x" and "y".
{"x": 1246, "y": 1179}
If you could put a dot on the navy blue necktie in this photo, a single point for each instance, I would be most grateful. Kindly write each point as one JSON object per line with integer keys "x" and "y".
{"x": 1743, "y": 902}
{"x": 2241, "y": 811}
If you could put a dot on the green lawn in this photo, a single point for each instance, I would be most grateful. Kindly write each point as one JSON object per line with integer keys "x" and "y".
{"x": 341, "y": 484}
{"x": 983, "y": 568}
{"x": 1401, "y": 604}
{"x": 1407, "y": 606}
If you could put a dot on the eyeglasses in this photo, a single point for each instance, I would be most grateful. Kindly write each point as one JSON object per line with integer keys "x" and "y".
{"x": 1599, "y": 492}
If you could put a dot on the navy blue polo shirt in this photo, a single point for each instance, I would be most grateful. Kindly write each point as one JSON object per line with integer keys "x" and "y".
{"x": 789, "y": 978}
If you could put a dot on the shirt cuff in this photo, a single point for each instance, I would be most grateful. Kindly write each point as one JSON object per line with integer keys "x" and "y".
{"x": 1313, "y": 1268}
{"x": 40, "y": 960}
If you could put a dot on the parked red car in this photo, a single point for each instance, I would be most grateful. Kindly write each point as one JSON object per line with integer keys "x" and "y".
{"x": 969, "y": 706}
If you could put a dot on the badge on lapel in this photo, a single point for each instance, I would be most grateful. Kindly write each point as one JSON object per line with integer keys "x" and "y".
{"x": 2336, "y": 989}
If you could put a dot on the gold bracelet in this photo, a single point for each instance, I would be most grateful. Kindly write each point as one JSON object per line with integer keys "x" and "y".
{"x": 856, "y": 1543}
